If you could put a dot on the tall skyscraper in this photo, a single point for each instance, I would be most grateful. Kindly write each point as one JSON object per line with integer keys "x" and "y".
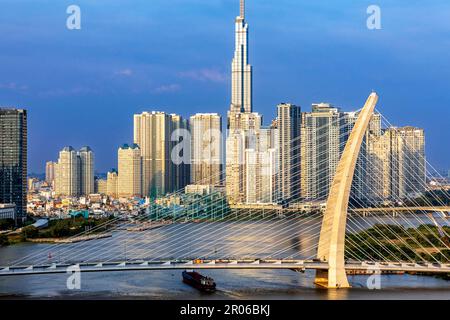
{"x": 235, "y": 166}
{"x": 379, "y": 173}
{"x": 181, "y": 167}
{"x": 153, "y": 134}
{"x": 86, "y": 170}
{"x": 320, "y": 150}
{"x": 130, "y": 171}
{"x": 243, "y": 123}
{"x": 289, "y": 119}
{"x": 206, "y": 148}
{"x": 13, "y": 159}
{"x": 111, "y": 183}
{"x": 241, "y": 70}
{"x": 67, "y": 173}
{"x": 50, "y": 172}
{"x": 403, "y": 154}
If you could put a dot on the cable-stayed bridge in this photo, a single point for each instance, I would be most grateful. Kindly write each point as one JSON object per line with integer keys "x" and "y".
{"x": 333, "y": 243}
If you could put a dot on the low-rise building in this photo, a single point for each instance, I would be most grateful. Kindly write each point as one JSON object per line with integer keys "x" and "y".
{"x": 8, "y": 211}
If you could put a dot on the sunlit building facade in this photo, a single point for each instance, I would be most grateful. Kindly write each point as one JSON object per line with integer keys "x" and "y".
{"x": 320, "y": 150}
{"x": 50, "y": 172}
{"x": 206, "y": 149}
{"x": 130, "y": 171}
{"x": 111, "y": 183}
{"x": 67, "y": 173}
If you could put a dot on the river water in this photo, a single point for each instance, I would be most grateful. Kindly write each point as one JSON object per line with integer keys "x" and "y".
{"x": 265, "y": 239}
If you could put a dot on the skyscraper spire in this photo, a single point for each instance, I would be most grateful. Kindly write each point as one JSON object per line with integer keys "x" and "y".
{"x": 241, "y": 95}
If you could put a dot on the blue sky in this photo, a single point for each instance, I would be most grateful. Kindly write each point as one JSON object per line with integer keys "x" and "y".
{"x": 82, "y": 87}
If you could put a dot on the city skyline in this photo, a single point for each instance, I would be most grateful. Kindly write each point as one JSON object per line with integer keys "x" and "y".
{"x": 16, "y": 90}
{"x": 340, "y": 194}
{"x": 307, "y": 145}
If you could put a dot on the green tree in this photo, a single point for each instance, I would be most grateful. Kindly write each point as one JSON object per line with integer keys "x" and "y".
{"x": 3, "y": 240}
{"x": 30, "y": 232}
{"x": 6, "y": 224}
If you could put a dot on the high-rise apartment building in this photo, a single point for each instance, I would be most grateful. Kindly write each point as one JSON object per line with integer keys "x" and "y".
{"x": 288, "y": 122}
{"x": 397, "y": 163}
{"x": 379, "y": 172}
{"x": 153, "y": 133}
{"x": 261, "y": 168}
{"x": 86, "y": 170}
{"x": 403, "y": 151}
{"x": 101, "y": 186}
{"x": 320, "y": 150}
{"x": 13, "y": 159}
{"x": 130, "y": 171}
{"x": 235, "y": 166}
{"x": 50, "y": 172}
{"x": 180, "y": 153}
{"x": 67, "y": 173}
{"x": 111, "y": 183}
{"x": 206, "y": 148}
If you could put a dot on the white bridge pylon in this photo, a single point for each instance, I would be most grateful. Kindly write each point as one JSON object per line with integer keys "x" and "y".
{"x": 332, "y": 234}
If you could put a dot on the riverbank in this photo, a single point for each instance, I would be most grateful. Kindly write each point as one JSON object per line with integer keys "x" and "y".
{"x": 60, "y": 231}
{"x": 71, "y": 240}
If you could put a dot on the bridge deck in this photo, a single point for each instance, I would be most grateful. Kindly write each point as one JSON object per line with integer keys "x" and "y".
{"x": 299, "y": 265}
{"x": 402, "y": 209}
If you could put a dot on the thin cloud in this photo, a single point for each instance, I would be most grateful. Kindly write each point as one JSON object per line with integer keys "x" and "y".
{"x": 124, "y": 72}
{"x": 167, "y": 88}
{"x": 210, "y": 75}
{"x": 74, "y": 91}
{"x": 13, "y": 86}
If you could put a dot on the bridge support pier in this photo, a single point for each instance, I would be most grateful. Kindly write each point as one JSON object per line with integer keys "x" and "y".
{"x": 331, "y": 247}
{"x": 332, "y": 281}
